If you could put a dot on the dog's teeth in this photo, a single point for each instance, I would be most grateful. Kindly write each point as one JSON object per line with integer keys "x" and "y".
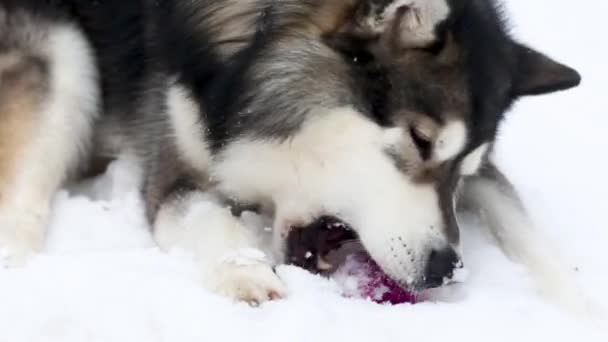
{"x": 308, "y": 255}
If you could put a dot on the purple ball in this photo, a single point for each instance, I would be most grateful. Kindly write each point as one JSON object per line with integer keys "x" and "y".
{"x": 361, "y": 277}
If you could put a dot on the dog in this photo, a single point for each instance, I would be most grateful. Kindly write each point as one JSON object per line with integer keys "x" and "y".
{"x": 379, "y": 113}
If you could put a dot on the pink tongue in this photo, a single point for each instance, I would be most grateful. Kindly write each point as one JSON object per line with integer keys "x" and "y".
{"x": 361, "y": 277}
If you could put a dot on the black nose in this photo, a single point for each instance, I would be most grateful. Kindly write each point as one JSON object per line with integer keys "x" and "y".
{"x": 440, "y": 266}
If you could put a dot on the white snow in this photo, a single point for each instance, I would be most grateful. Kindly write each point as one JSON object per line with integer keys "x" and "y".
{"x": 102, "y": 279}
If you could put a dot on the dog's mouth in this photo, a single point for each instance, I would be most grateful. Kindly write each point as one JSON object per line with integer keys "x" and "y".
{"x": 322, "y": 246}
{"x": 331, "y": 248}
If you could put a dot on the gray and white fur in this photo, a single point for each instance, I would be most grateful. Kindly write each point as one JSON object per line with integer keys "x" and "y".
{"x": 371, "y": 111}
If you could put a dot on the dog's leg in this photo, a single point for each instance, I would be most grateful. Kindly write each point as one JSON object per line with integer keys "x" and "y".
{"x": 47, "y": 105}
{"x": 226, "y": 250}
{"x": 186, "y": 216}
{"x": 492, "y": 196}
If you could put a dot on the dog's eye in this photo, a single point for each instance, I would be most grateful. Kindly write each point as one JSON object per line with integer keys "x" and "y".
{"x": 422, "y": 141}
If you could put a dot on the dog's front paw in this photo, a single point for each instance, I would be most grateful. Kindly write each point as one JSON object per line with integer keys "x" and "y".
{"x": 17, "y": 247}
{"x": 21, "y": 236}
{"x": 250, "y": 280}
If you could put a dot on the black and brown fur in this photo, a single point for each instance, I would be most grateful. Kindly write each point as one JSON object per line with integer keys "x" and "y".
{"x": 255, "y": 69}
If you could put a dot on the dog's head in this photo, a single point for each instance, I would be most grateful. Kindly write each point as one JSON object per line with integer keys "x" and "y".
{"x": 442, "y": 75}
{"x": 421, "y": 87}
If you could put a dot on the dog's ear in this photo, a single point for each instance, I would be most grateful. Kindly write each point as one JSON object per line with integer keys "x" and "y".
{"x": 409, "y": 24}
{"x": 538, "y": 74}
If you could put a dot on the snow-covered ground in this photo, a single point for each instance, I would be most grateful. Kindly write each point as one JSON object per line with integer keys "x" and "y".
{"x": 102, "y": 279}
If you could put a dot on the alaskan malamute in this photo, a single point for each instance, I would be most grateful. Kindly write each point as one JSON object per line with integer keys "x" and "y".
{"x": 379, "y": 113}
